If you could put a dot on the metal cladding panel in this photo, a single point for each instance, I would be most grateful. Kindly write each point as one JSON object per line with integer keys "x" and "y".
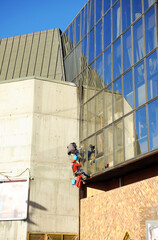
{"x": 36, "y": 54}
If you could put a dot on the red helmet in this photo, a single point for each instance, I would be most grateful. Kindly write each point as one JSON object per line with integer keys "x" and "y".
{"x": 73, "y": 161}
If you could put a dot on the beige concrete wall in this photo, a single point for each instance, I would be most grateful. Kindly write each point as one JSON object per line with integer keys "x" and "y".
{"x": 38, "y": 119}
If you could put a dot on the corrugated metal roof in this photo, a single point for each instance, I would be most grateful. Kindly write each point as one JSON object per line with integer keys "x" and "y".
{"x": 34, "y": 54}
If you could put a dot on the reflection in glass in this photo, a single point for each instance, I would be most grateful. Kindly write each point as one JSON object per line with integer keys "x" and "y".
{"x": 70, "y": 66}
{"x": 108, "y": 146}
{"x": 84, "y": 85}
{"x": 128, "y": 92}
{"x": 99, "y": 38}
{"x": 77, "y": 28}
{"x": 72, "y": 34}
{"x": 65, "y": 42}
{"x": 117, "y": 58}
{"x": 91, "y": 155}
{"x": 99, "y": 147}
{"x": 78, "y": 60}
{"x": 137, "y": 9}
{"x": 126, "y": 14}
{"x": 113, "y": 1}
{"x": 99, "y": 111}
{"x": 98, "y": 10}
{"x": 91, "y": 46}
{"x": 108, "y": 105}
{"x": 139, "y": 84}
{"x": 91, "y": 14}
{"x": 117, "y": 97}
{"x": 83, "y": 128}
{"x": 84, "y": 60}
{"x": 129, "y": 137}
{"x": 91, "y": 81}
{"x": 107, "y": 4}
{"x": 150, "y": 30}
{"x": 100, "y": 164}
{"x": 148, "y": 3}
{"x": 152, "y": 75}
{"x": 84, "y": 21}
{"x": 116, "y": 20}
{"x": 107, "y": 29}
{"x": 127, "y": 50}
{"x": 99, "y": 73}
{"x": 153, "y": 124}
{"x": 107, "y": 66}
{"x": 141, "y": 131}
{"x": 138, "y": 41}
{"x": 91, "y": 116}
{"x": 84, "y": 155}
{"x": 118, "y": 141}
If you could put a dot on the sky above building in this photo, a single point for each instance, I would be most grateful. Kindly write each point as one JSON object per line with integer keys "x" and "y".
{"x": 26, "y": 16}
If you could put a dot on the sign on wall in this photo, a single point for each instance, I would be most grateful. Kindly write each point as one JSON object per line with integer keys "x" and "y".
{"x": 13, "y": 199}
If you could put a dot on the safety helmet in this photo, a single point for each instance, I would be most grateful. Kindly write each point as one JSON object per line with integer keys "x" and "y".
{"x": 73, "y": 161}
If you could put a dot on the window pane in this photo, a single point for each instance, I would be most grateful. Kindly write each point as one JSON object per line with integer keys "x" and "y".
{"x": 72, "y": 34}
{"x": 139, "y": 84}
{"x": 107, "y": 66}
{"x": 99, "y": 148}
{"x": 113, "y": 1}
{"x": 137, "y": 9}
{"x": 78, "y": 29}
{"x": 129, "y": 137}
{"x": 150, "y": 30}
{"x": 117, "y": 97}
{"x": 83, "y": 79}
{"x": 118, "y": 140}
{"x": 117, "y": 58}
{"x": 100, "y": 166}
{"x": 152, "y": 75}
{"x": 99, "y": 38}
{"x": 128, "y": 92}
{"x": 98, "y": 9}
{"x": 84, "y": 121}
{"x": 65, "y": 41}
{"x": 108, "y": 146}
{"x": 141, "y": 131}
{"x": 108, "y": 105}
{"x": 91, "y": 116}
{"x": 153, "y": 124}
{"x": 148, "y": 3}
{"x": 99, "y": 111}
{"x": 127, "y": 50}
{"x": 107, "y": 4}
{"x": 116, "y": 20}
{"x": 91, "y": 81}
{"x": 91, "y": 46}
{"x": 138, "y": 40}
{"x": 99, "y": 73}
{"x": 126, "y": 14}
{"x": 91, "y": 155}
{"x": 78, "y": 60}
{"x": 91, "y": 14}
{"x": 84, "y": 59}
{"x": 107, "y": 29}
{"x": 84, "y": 21}
{"x": 84, "y": 155}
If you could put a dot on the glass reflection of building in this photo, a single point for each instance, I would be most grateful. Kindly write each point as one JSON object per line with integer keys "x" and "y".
{"x": 110, "y": 52}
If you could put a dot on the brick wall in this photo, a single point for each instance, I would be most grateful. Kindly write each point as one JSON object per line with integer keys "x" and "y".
{"x": 109, "y": 215}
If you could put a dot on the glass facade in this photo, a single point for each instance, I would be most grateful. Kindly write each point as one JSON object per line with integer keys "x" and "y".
{"x": 111, "y": 46}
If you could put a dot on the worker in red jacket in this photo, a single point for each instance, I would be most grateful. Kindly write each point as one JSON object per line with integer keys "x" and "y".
{"x": 76, "y": 168}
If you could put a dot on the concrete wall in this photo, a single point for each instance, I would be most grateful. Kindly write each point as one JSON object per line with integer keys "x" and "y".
{"x": 38, "y": 119}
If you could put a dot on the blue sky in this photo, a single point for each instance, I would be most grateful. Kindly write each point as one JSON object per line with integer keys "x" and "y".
{"x": 25, "y": 16}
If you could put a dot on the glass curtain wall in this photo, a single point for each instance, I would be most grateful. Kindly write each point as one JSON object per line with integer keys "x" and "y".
{"x": 111, "y": 49}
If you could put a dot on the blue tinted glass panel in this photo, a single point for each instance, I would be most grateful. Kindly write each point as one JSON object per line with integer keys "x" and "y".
{"x": 107, "y": 4}
{"x": 117, "y": 97}
{"x": 152, "y": 75}
{"x": 107, "y": 29}
{"x": 84, "y": 46}
{"x": 99, "y": 38}
{"x": 128, "y": 92}
{"x": 127, "y": 50}
{"x": 141, "y": 131}
{"x": 150, "y": 30}
{"x": 113, "y": 1}
{"x": 84, "y": 21}
{"x": 107, "y": 66}
{"x": 78, "y": 29}
{"x": 116, "y": 20}
{"x": 137, "y": 9}
{"x": 126, "y": 14}
{"x": 153, "y": 124}
{"x": 148, "y": 3}
{"x": 117, "y": 58}
{"x": 139, "y": 84}
{"x": 91, "y": 46}
{"x": 98, "y": 9}
{"x": 77, "y": 60}
{"x": 99, "y": 67}
{"x": 138, "y": 41}
{"x": 72, "y": 33}
{"x": 91, "y": 14}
